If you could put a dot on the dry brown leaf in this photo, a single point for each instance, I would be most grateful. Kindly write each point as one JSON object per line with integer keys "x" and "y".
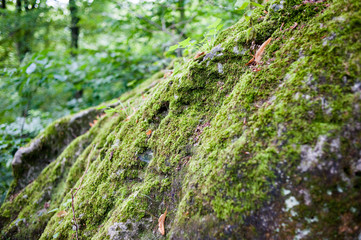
{"x": 101, "y": 116}
{"x": 250, "y": 61}
{"x": 167, "y": 74}
{"x": 61, "y": 214}
{"x": 294, "y": 26}
{"x": 161, "y": 222}
{"x": 198, "y": 55}
{"x": 258, "y": 55}
{"x": 149, "y": 132}
{"x": 93, "y": 123}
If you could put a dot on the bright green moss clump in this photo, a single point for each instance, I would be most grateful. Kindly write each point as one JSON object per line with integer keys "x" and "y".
{"x": 232, "y": 151}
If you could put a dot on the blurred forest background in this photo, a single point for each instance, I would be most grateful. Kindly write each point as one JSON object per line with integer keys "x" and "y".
{"x": 60, "y": 56}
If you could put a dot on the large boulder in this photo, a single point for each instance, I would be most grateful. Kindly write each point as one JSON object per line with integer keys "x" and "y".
{"x": 229, "y": 150}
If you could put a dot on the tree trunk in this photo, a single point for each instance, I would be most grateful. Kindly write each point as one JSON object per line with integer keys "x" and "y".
{"x": 18, "y": 6}
{"x": 22, "y": 43}
{"x": 181, "y": 10}
{"x": 26, "y": 5}
{"x": 74, "y": 27}
{"x": 3, "y": 4}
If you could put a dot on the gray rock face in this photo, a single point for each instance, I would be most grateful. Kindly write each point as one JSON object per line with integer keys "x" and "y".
{"x": 29, "y": 161}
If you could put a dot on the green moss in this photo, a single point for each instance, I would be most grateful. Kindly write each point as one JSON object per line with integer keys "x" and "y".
{"x": 229, "y": 146}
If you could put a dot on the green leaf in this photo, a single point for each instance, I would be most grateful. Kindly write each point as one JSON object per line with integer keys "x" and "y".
{"x": 215, "y": 24}
{"x": 111, "y": 110}
{"x": 212, "y": 32}
{"x": 172, "y": 48}
{"x": 31, "y": 68}
{"x": 54, "y": 210}
{"x": 67, "y": 202}
{"x": 194, "y": 42}
{"x": 114, "y": 101}
{"x": 131, "y": 83}
{"x": 242, "y": 4}
{"x": 185, "y": 43}
{"x": 219, "y": 27}
{"x": 257, "y": 4}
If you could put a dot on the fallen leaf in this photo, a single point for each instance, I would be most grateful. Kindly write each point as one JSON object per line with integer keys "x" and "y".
{"x": 101, "y": 116}
{"x": 250, "y": 61}
{"x": 198, "y": 55}
{"x": 258, "y": 55}
{"x": 149, "y": 132}
{"x": 168, "y": 73}
{"x": 93, "y": 123}
{"x": 294, "y": 26}
{"x": 161, "y": 222}
{"x": 61, "y": 214}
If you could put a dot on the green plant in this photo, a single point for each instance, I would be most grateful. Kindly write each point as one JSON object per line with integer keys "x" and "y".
{"x": 243, "y": 4}
{"x": 188, "y": 45}
{"x": 13, "y": 136}
{"x": 126, "y": 109}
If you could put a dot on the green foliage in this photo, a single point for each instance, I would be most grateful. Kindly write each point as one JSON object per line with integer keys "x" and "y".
{"x": 243, "y": 4}
{"x": 12, "y": 137}
{"x": 57, "y": 84}
{"x": 188, "y": 45}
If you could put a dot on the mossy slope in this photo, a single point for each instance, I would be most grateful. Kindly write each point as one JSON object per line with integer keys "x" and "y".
{"x": 231, "y": 151}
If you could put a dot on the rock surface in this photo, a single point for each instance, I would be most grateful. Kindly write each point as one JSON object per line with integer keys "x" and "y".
{"x": 29, "y": 161}
{"x": 231, "y": 151}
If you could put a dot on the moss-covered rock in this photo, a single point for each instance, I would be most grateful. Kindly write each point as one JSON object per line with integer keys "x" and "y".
{"x": 30, "y": 160}
{"x": 232, "y": 151}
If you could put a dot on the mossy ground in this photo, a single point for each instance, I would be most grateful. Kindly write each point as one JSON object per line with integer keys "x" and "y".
{"x": 234, "y": 151}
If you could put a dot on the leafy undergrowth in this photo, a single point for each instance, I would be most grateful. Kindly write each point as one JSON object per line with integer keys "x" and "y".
{"x": 231, "y": 150}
